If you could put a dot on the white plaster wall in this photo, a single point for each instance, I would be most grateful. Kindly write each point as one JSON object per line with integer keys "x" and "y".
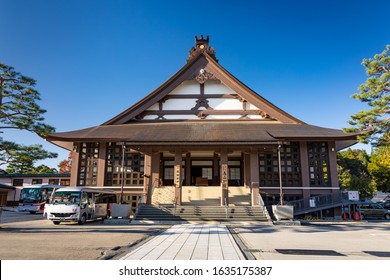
{"x": 181, "y": 117}
{"x": 223, "y": 117}
{"x": 255, "y": 117}
{"x": 150, "y": 117}
{"x": 250, "y": 106}
{"x": 187, "y": 87}
{"x": 155, "y": 107}
{"x": 179, "y": 104}
{"x": 225, "y": 104}
{"x": 216, "y": 87}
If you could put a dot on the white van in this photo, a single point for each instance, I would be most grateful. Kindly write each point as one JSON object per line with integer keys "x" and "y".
{"x": 79, "y": 204}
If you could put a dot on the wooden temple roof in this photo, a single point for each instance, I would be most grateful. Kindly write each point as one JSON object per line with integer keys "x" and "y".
{"x": 199, "y": 132}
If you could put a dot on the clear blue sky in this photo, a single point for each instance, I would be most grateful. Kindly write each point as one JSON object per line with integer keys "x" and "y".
{"x": 93, "y": 59}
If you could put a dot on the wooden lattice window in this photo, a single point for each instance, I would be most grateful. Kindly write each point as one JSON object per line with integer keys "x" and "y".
{"x": 318, "y": 164}
{"x": 88, "y": 161}
{"x": 290, "y": 166}
{"x": 133, "y": 166}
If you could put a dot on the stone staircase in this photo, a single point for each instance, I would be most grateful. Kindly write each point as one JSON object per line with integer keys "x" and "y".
{"x": 153, "y": 213}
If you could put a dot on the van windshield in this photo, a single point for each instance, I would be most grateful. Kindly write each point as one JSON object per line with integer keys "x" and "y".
{"x": 66, "y": 197}
{"x": 30, "y": 195}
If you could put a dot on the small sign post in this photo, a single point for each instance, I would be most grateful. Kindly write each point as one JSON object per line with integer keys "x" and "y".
{"x": 353, "y": 195}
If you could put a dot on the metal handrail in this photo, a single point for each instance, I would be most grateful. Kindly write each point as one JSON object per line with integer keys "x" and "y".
{"x": 261, "y": 201}
{"x": 226, "y": 207}
{"x": 140, "y": 202}
{"x": 318, "y": 202}
{"x": 174, "y": 206}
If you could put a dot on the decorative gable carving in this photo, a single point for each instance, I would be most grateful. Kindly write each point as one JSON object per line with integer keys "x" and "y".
{"x": 204, "y": 75}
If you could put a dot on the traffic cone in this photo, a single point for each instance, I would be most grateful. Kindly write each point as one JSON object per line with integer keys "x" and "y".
{"x": 345, "y": 216}
{"x": 357, "y": 216}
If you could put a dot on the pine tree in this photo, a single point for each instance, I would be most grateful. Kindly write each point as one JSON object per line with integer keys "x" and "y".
{"x": 374, "y": 123}
{"x": 19, "y": 110}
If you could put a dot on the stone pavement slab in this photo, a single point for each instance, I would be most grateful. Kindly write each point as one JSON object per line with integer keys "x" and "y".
{"x": 189, "y": 242}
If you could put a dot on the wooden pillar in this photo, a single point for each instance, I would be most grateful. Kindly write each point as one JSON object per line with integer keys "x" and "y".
{"x": 224, "y": 178}
{"x": 147, "y": 179}
{"x": 154, "y": 175}
{"x": 177, "y": 176}
{"x": 333, "y": 166}
{"x": 75, "y": 165}
{"x": 101, "y": 164}
{"x": 255, "y": 181}
{"x": 188, "y": 169}
{"x": 304, "y": 157}
{"x": 216, "y": 177}
{"x": 247, "y": 170}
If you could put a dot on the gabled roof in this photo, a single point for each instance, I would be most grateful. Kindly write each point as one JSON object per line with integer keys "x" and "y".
{"x": 202, "y": 61}
{"x": 202, "y": 64}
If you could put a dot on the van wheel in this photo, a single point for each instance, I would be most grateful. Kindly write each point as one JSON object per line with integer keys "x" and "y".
{"x": 387, "y": 216}
{"x": 56, "y": 222}
{"x": 82, "y": 220}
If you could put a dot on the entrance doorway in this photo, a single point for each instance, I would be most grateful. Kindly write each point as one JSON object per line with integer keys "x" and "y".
{"x": 202, "y": 172}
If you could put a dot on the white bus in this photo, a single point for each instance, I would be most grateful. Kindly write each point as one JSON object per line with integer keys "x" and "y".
{"x": 79, "y": 204}
{"x": 33, "y": 198}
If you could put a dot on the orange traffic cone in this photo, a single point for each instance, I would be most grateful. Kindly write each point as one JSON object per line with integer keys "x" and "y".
{"x": 345, "y": 216}
{"x": 357, "y": 216}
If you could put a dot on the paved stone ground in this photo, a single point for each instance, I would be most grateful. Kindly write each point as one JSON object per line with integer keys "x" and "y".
{"x": 338, "y": 241}
{"x": 189, "y": 242}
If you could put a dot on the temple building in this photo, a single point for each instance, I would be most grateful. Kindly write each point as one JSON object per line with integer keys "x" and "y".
{"x": 204, "y": 138}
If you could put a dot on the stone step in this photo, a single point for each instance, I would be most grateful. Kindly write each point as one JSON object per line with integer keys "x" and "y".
{"x": 204, "y": 213}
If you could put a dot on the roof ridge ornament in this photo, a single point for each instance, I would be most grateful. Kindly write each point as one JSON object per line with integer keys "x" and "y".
{"x": 204, "y": 75}
{"x": 202, "y": 45}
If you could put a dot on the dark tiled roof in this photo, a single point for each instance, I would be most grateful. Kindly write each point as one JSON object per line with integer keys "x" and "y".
{"x": 211, "y": 132}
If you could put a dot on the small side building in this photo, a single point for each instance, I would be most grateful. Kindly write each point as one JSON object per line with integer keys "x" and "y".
{"x": 11, "y": 184}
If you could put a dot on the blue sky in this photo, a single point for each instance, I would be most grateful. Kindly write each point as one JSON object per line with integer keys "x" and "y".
{"x": 94, "y": 59}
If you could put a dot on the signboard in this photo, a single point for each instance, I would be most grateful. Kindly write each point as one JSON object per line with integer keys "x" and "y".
{"x": 177, "y": 176}
{"x": 224, "y": 176}
{"x": 353, "y": 195}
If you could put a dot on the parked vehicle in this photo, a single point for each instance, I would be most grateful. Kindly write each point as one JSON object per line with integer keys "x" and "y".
{"x": 33, "y": 198}
{"x": 374, "y": 210}
{"x": 79, "y": 204}
{"x": 386, "y": 204}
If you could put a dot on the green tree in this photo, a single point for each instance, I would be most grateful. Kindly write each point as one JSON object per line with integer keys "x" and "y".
{"x": 19, "y": 110}
{"x": 22, "y": 157}
{"x": 353, "y": 172}
{"x": 44, "y": 169}
{"x": 379, "y": 168}
{"x": 18, "y": 107}
{"x": 374, "y": 123}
